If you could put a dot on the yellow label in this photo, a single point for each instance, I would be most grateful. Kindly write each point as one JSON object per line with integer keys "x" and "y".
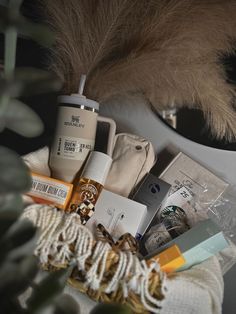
{"x": 170, "y": 259}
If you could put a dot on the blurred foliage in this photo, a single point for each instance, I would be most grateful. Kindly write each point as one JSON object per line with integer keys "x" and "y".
{"x": 18, "y": 267}
{"x": 111, "y": 309}
{"x": 15, "y": 115}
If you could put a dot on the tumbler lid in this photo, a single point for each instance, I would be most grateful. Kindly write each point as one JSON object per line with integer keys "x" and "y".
{"x": 79, "y": 99}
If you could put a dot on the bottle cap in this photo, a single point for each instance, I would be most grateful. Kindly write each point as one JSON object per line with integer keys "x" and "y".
{"x": 97, "y": 167}
{"x": 79, "y": 99}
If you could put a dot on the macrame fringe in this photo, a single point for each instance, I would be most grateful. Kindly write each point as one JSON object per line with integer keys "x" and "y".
{"x": 103, "y": 274}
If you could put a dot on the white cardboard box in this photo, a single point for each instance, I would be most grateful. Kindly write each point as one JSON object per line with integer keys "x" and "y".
{"x": 117, "y": 214}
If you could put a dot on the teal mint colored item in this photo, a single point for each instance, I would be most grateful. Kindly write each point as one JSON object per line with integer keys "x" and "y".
{"x": 199, "y": 243}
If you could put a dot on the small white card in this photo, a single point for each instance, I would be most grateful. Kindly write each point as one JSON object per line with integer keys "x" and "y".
{"x": 117, "y": 214}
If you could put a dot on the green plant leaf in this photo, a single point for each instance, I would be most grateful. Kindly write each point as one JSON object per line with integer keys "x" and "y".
{"x": 12, "y": 307}
{"x": 65, "y": 304}
{"x": 4, "y": 2}
{"x": 4, "y": 100}
{"x": 39, "y": 33}
{"x": 11, "y": 19}
{"x": 11, "y": 201}
{"x": 15, "y": 277}
{"x": 22, "y": 119}
{"x": 7, "y": 219}
{"x": 47, "y": 290}
{"x": 28, "y": 269}
{"x": 30, "y": 81}
{"x": 36, "y": 81}
{"x": 111, "y": 308}
{"x": 14, "y": 174}
{"x": 11, "y": 40}
{"x": 19, "y": 234}
{"x": 10, "y": 52}
{"x": 15, "y": 4}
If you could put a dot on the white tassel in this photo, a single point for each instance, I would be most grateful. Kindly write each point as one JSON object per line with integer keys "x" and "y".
{"x": 59, "y": 231}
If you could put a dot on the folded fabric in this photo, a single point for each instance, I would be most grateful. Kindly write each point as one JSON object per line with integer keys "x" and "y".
{"x": 37, "y": 161}
{"x": 196, "y": 291}
{"x": 133, "y": 157}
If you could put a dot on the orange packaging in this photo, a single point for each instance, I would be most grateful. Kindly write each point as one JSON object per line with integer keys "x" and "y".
{"x": 50, "y": 191}
{"x": 170, "y": 259}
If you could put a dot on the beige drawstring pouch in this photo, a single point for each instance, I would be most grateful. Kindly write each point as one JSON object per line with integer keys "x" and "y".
{"x": 133, "y": 157}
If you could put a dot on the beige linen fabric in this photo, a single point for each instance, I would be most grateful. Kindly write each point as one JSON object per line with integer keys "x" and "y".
{"x": 133, "y": 157}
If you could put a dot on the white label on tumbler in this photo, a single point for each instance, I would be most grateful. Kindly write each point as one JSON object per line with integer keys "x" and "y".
{"x": 72, "y": 147}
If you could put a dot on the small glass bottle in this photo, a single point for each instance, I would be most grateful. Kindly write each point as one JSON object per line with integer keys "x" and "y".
{"x": 88, "y": 188}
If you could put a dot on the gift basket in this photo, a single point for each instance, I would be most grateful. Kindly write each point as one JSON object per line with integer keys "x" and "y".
{"x": 129, "y": 231}
{"x": 116, "y": 257}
